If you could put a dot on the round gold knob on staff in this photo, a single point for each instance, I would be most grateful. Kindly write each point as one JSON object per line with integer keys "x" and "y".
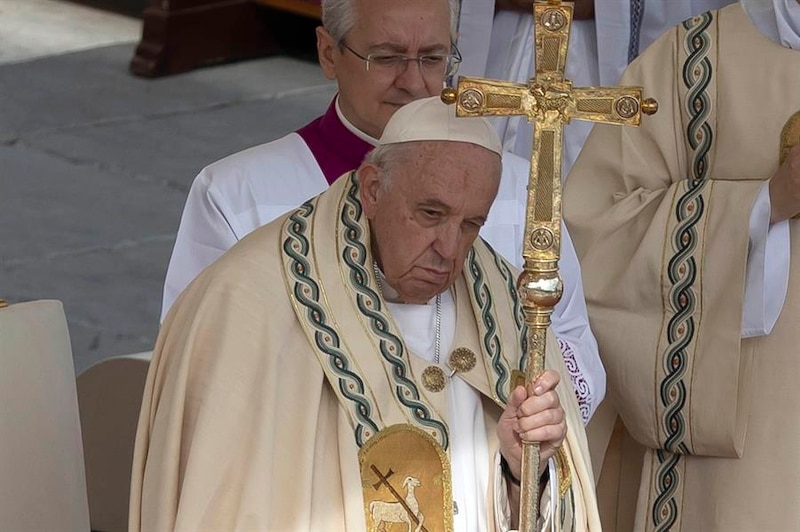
{"x": 649, "y": 106}
{"x": 449, "y": 95}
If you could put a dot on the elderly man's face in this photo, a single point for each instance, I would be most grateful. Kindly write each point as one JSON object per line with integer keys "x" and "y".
{"x": 424, "y": 224}
{"x": 385, "y": 27}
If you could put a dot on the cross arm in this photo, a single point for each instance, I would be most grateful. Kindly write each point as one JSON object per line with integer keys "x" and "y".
{"x": 490, "y": 97}
{"x": 611, "y": 105}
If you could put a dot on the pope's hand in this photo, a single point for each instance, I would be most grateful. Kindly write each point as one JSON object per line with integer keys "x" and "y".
{"x": 535, "y": 418}
{"x": 784, "y": 188}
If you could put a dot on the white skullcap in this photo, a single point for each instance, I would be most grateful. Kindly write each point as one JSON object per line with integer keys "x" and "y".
{"x": 432, "y": 119}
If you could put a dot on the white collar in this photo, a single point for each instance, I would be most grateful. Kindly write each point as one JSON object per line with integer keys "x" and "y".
{"x": 351, "y": 128}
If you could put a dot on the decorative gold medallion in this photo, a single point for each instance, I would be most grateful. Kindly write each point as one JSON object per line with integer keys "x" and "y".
{"x": 553, "y": 19}
{"x": 461, "y": 360}
{"x": 405, "y": 481}
{"x": 542, "y": 239}
{"x": 627, "y": 107}
{"x": 471, "y": 100}
{"x": 434, "y": 379}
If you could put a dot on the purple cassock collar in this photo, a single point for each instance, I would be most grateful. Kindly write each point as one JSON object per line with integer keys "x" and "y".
{"x": 335, "y": 148}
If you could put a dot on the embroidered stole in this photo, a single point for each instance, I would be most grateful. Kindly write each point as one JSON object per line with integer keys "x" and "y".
{"x": 697, "y": 39}
{"x": 400, "y": 426}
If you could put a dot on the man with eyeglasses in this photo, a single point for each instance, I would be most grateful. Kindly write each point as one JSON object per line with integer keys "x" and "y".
{"x": 383, "y": 54}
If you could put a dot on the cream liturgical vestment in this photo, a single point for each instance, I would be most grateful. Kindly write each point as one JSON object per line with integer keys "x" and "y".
{"x": 244, "y": 191}
{"x": 280, "y": 384}
{"x": 660, "y": 218}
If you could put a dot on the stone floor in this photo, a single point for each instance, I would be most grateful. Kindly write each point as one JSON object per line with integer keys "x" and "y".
{"x": 95, "y": 164}
{"x": 38, "y": 28}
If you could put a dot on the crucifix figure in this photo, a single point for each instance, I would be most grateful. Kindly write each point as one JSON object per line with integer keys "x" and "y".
{"x": 549, "y": 101}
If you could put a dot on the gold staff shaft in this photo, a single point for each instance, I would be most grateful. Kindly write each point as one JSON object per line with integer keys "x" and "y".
{"x": 548, "y": 101}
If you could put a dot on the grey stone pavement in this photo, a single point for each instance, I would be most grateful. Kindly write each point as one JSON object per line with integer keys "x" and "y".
{"x": 95, "y": 165}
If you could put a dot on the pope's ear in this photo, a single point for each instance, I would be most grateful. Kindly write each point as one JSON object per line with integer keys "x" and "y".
{"x": 369, "y": 188}
{"x": 326, "y": 52}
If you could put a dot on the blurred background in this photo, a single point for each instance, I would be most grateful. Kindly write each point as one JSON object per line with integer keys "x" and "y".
{"x": 108, "y": 110}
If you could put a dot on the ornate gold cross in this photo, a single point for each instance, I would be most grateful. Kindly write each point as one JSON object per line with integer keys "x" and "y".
{"x": 549, "y": 101}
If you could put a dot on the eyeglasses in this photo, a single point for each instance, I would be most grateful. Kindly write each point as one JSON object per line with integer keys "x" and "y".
{"x": 429, "y": 64}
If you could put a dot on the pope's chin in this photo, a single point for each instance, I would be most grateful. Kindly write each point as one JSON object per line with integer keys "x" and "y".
{"x": 421, "y": 291}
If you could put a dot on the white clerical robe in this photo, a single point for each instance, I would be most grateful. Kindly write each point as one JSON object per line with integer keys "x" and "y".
{"x": 662, "y": 216}
{"x": 224, "y": 204}
{"x": 625, "y": 28}
{"x": 240, "y": 193}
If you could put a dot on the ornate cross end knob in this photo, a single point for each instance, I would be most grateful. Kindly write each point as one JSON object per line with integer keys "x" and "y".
{"x": 650, "y": 106}
{"x": 449, "y": 95}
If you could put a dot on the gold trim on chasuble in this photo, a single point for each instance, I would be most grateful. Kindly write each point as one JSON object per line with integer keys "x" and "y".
{"x": 697, "y": 38}
{"x": 406, "y": 479}
{"x": 790, "y": 137}
{"x": 565, "y": 507}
